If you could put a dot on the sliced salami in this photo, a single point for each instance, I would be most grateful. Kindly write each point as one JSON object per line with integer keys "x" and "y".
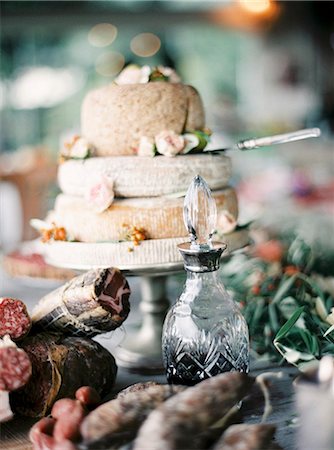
{"x": 15, "y": 367}
{"x": 15, "y": 372}
{"x": 14, "y": 318}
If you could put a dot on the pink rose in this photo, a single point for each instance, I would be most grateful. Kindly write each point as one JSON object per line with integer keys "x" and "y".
{"x": 100, "y": 193}
{"x": 226, "y": 222}
{"x": 169, "y": 143}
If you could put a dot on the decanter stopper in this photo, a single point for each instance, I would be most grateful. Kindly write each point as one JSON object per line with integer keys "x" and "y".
{"x": 200, "y": 213}
{"x": 200, "y": 216}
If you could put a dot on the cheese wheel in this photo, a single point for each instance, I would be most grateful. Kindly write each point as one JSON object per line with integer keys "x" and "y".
{"x": 113, "y": 117}
{"x": 149, "y": 254}
{"x": 140, "y": 176}
{"x": 161, "y": 217}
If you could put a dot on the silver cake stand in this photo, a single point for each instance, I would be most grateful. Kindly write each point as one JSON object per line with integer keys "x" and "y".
{"x": 140, "y": 351}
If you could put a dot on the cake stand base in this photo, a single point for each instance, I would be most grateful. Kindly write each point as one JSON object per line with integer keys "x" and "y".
{"x": 141, "y": 351}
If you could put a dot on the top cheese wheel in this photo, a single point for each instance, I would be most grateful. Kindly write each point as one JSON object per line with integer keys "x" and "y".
{"x": 115, "y": 117}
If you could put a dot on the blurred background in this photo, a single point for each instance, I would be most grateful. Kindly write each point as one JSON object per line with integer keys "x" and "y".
{"x": 261, "y": 66}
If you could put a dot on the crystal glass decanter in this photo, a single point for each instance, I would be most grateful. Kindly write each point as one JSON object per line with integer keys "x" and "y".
{"x": 204, "y": 333}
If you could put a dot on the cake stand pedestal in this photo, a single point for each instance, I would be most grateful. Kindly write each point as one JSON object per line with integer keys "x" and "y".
{"x": 141, "y": 352}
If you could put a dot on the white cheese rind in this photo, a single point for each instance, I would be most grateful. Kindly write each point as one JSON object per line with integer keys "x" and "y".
{"x": 161, "y": 217}
{"x": 153, "y": 254}
{"x": 114, "y": 118}
{"x": 138, "y": 176}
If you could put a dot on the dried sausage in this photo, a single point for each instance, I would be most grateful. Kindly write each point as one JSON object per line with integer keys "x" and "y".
{"x": 246, "y": 436}
{"x": 124, "y": 415}
{"x": 60, "y": 365}
{"x": 41, "y": 434}
{"x": 68, "y": 424}
{"x": 64, "y": 445}
{"x": 136, "y": 387}
{"x": 88, "y": 396}
{"x": 184, "y": 416}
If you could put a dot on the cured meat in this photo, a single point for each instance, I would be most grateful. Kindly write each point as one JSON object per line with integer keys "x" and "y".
{"x": 61, "y": 365}
{"x": 63, "y": 427}
{"x": 184, "y": 416}
{"x": 14, "y": 318}
{"x": 246, "y": 437}
{"x": 88, "y": 396}
{"x": 15, "y": 368}
{"x": 90, "y": 304}
{"x": 41, "y": 434}
{"x": 120, "y": 419}
{"x": 136, "y": 387}
{"x": 15, "y": 371}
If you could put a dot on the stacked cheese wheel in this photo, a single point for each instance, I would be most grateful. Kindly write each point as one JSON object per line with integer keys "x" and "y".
{"x": 147, "y": 192}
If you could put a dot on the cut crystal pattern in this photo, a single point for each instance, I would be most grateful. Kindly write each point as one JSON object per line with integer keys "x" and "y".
{"x": 206, "y": 355}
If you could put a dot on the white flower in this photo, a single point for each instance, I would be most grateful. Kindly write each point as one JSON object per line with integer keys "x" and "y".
{"x": 170, "y": 73}
{"x": 80, "y": 148}
{"x": 134, "y": 74}
{"x": 226, "y": 222}
{"x": 169, "y": 143}
{"x": 76, "y": 147}
{"x": 146, "y": 147}
{"x": 145, "y": 73}
{"x": 100, "y": 193}
{"x": 192, "y": 141}
{"x": 40, "y": 225}
{"x": 130, "y": 75}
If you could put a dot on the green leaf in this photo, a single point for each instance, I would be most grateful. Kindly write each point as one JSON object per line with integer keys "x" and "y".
{"x": 284, "y": 287}
{"x": 273, "y": 317}
{"x": 289, "y": 324}
{"x": 258, "y": 311}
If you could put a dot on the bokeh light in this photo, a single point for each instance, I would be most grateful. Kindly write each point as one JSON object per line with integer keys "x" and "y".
{"x": 145, "y": 44}
{"x": 256, "y": 6}
{"x": 102, "y": 34}
{"x": 109, "y": 64}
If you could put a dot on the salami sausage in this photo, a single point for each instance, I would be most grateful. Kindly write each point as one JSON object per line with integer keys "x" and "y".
{"x": 246, "y": 436}
{"x": 183, "y": 417}
{"x": 15, "y": 371}
{"x": 92, "y": 303}
{"x": 68, "y": 424}
{"x": 15, "y": 368}
{"x": 60, "y": 365}
{"x": 136, "y": 387}
{"x": 41, "y": 434}
{"x": 14, "y": 318}
{"x": 88, "y": 396}
{"x": 121, "y": 418}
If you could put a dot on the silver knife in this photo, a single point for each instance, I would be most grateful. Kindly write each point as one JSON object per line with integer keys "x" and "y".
{"x": 249, "y": 144}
